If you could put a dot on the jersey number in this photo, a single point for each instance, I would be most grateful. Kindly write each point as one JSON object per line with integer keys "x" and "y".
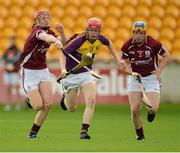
{"x": 140, "y": 54}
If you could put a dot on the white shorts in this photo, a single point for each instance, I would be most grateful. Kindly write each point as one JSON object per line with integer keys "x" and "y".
{"x": 151, "y": 84}
{"x": 77, "y": 80}
{"x": 11, "y": 78}
{"x": 31, "y": 78}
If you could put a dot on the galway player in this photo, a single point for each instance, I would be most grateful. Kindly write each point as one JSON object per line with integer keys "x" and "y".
{"x": 141, "y": 56}
{"x": 35, "y": 75}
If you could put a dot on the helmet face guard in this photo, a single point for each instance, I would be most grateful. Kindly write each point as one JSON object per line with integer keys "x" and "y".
{"x": 93, "y": 27}
{"x": 94, "y": 23}
{"x": 139, "y": 32}
{"x": 40, "y": 13}
{"x": 139, "y": 26}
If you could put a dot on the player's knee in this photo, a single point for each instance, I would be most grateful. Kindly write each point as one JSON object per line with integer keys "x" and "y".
{"x": 71, "y": 109}
{"x": 47, "y": 106}
{"x": 38, "y": 107}
{"x": 135, "y": 110}
{"x": 91, "y": 102}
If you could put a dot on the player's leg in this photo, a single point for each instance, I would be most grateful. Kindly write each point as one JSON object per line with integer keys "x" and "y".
{"x": 62, "y": 104}
{"x": 45, "y": 89}
{"x": 35, "y": 99}
{"x": 68, "y": 100}
{"x": 37, "y": 104}
{"x": 135, "y": 105}
{"x": 89, "y": 92}
{"x": 154, "y": 97}
{"x": 45, "y": 96}
{"x": 152, "y": 86}
{"x": 70, "y": 87}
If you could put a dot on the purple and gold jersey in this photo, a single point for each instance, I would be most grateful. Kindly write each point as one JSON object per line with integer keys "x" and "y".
{"x": 144, "y": 58}
{"x": 34, "y": 54}
{"x": 79, "y": 45}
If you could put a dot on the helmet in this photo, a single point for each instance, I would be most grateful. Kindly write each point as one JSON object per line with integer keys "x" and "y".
{"x": 39, "y": 13}
{"x": 139, "y": 25}
{"x": 94, "y": 23}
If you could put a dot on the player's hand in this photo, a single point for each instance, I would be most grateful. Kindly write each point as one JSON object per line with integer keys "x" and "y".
{"x": 121, "y": 64}
{"x": 135, "y": 75}
{"x": 63, "y": 74}
{"x": 59, "y": 27}
{"x": 58, "y": 44}
{"x": 158, "y": 74}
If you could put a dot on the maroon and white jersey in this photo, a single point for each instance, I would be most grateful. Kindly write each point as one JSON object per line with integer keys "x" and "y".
{"x": 34, "y": 54}
{"x": 144, "y": 58}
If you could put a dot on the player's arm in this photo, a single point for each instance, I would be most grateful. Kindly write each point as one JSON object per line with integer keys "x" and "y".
{"x": 124, "y": 56}
{"x": 127, "y": 67}
{"x": 60, "y": 28}
{"x": 68, "y": 50}
{"x": 164, "y": 61}
{"x": 62, "y": 62}
{"x": 112, "y": 49}
{"x": 162, "y": 51}
{"x": 46, "y": 37}
{"x": 49, "y": 38}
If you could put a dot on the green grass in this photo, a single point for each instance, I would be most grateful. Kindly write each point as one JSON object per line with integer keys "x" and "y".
{"x": 111, "y": 130}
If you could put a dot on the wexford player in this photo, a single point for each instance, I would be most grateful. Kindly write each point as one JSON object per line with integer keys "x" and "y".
{"x": 78, "y": 45}
{"x": 35, "y": 75}
{"x": 141, "y": 56}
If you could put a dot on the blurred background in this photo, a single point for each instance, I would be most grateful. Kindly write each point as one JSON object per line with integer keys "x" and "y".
{"x": 162, "y": 17}
{"x": 111, "y": 122}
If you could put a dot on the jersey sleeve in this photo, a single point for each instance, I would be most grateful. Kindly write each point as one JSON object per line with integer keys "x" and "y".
{"x": 73, "y": 45}
{"x": 73, "y": 37}
{"x": 104, "y": 40}
{"x": 124, "y": 51}
{"x": 52, "y": 33}
{"x": 159, "y": 49}
{"x": 37, "y": 32}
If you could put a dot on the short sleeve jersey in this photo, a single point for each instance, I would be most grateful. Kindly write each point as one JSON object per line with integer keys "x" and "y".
{"x": 144, "y": 58}
{"x": 34, "y": 54}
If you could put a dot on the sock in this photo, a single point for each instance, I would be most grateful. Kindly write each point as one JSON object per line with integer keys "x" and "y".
{"x": 85, "y": 127}
{"x": 34, "y": 130}
{"x": 140, "y": 132}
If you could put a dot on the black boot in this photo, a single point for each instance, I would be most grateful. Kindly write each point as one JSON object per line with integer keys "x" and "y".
{"x": 63, "y": 106}
{"x": 150, "y": 116}
{"x": 84, "y": 135}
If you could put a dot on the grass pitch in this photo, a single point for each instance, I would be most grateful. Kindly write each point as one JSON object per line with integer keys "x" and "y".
{"x": 111, "y": 131}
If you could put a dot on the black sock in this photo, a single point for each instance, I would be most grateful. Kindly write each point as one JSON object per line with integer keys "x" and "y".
{"x": 85, "y": 127}
{"x": 34, "y": 130}
{"x": 140, "y": 132}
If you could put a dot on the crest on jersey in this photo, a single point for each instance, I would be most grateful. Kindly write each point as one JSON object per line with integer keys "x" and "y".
{"x": 131, "y": 52}
{"x": 147, "y": 54}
